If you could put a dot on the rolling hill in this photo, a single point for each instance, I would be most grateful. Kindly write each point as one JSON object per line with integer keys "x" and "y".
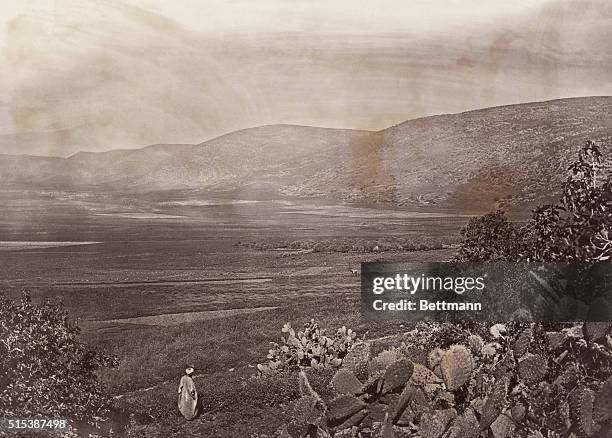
{"x": 512, "y": 154}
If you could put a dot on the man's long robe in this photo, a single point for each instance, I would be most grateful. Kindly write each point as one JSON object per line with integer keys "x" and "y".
{"x": 188, "y": 398}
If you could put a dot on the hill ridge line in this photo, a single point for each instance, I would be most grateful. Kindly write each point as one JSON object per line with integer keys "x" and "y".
{"x": 292, "y": 125}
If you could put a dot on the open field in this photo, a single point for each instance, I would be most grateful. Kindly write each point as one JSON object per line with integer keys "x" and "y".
{"x": 163, "y": 283}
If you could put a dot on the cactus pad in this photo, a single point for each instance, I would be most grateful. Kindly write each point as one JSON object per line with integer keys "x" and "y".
{"x": 522, "y": 342}
{"x": 383, "y": 360}
{"x": 402, "y": 403}
{"x": 464, "y": 426}
{"x": 387, "y": 429}
{"x": 533, "y": 368}
{"x": 518, "y": 412}
{"x": 476, "y": 344}
{"x": 377, "y": 411}
{"x": 603, "y": 402}
{"x": 555, "y": 339}
{"x": 434, "y": 357}
{"x": 490, "y": 349}
{"x": 585, "y": 410}
{"x": 396, "y": 375}
{"x": 345, "y": 382}
{"x": 494, "y": 403}
{"x": 344, "y": 406}
{"x": 456, "y": 365}
{"x": 421, "y": 376}
{"x": 434, "y": 423}
{"x": 306, "y": 412}
{"x": 503, "y": 427}
{"x": 306, "y": 389}
{"x": 357, "y": 360}
{"x": 353, "y": 420}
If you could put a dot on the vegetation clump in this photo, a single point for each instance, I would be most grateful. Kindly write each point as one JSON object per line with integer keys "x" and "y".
{"x": 576, "y": 228}
{"x": 355, "y": 245}
{"x": 44, "y": 369}
{"x": 522, "y": 381}
{"x": 310, "y": 347}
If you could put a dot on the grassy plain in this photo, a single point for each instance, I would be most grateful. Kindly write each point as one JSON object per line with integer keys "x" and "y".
{"x": 172, "y": 283}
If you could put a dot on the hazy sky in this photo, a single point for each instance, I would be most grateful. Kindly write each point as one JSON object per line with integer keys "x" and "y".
{"x": 340, "y": 16}
{"x": 337, "y": 16}
{"x": 102, "y": 74}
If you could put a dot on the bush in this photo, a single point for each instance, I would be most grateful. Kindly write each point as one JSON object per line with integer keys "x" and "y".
{"x": 310, "y": 347}
{"x": 355, "y": 244}
{"x": 489, "y": 237}
{"x": 514, "y": 380}
{"x": 576, "y": 228}
{"x": 44, "y": 369}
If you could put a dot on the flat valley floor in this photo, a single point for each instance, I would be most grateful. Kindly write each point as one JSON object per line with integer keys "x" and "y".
{"x": 167, "y": 280}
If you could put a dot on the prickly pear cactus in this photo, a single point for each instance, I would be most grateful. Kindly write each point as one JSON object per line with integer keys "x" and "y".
{"x": 311, "y": 347}
{"x": 306, "y": 389}
{"x": 531, "y": 383}
{"x": 306, "y": 412}
{"x": 456, "y": 366}
{"x": 518, "y": 412}
{"x": 423, "y": 376}
{"x": 555, "y": 340}
{"x": 435, "y": 423}
{"x": 476, "y": 344}
{"x": 522, "y": 342}
{"x": 503, "y": 427}
{"x": 494, "y": 403}
{"x": 397, "y": 375}
{"x": 345, "y": 382}
{"x": 435, "y": 357}
{"x": 603, "y": 402}
{"x": 344, "y": 406}
{"x": 383, "y": 360}
{"x": 533, "y": 368}
{"x": 357, "y": 359}
{"x": 464, "y": 426}
{"x": 585, "y": 410}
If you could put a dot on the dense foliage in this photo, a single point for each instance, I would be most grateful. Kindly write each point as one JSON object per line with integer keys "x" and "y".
{"x": 576, "y": 228}
{"x": 509, "y": 381}
{"x": 310, "y": 347}
{"x": 44, "y": 369}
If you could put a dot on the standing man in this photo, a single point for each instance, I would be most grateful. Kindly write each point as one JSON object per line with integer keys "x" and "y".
{"x": 187, "y": 395}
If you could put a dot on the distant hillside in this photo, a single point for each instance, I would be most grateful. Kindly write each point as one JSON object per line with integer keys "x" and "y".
{"x": 517, "y": 154}
{"x": 513, "y": 154}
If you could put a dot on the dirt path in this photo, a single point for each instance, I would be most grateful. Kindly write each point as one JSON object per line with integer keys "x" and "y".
{"x": 151, "y": 388}
{"x": 246, "y": 370}
{"x": 169, "y": 319}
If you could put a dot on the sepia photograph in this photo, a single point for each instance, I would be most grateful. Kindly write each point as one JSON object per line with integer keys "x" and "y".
{"x": 306, "y": 218}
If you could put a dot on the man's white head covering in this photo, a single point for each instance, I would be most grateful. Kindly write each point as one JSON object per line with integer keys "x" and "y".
{"x": 189, "y": 370}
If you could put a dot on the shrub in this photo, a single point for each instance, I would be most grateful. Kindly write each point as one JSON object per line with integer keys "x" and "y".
{"x": 489, "y": 237}
{"x": 356, "y": 244}
{"x": 513, "y": 380}
{"x": 44, "y": 369}
{"x": 310, "y": 347}
{"x": 576, "y": 228}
